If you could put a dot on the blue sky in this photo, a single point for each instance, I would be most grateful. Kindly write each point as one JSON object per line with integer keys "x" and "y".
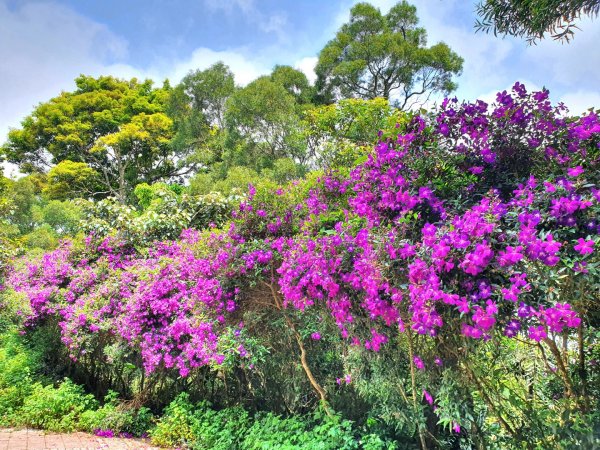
{"x": 44, "y": 45}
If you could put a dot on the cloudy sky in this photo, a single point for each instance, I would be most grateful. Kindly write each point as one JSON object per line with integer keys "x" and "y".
{"x": 44, "y": 45}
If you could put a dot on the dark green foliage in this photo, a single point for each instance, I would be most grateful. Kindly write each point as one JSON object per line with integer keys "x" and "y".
{"x": 533, "y": 19}
{"x": 376, "y": 55}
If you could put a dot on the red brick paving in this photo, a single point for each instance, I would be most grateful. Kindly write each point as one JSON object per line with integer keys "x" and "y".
{"x": 27, "y": 439}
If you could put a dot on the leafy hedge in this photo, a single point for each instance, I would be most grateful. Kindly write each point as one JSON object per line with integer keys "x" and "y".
{"x": 446, "y": 284}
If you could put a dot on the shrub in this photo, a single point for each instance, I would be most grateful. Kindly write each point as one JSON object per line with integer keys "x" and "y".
{"x": 55, "y": 409}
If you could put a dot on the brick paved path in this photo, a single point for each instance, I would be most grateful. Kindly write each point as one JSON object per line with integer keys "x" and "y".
{"x": 40, "y": 440}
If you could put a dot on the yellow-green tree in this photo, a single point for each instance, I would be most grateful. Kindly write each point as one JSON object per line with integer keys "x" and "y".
{"x": 115, "y": 130}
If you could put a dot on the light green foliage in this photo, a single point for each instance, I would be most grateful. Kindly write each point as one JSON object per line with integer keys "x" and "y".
{"x": 6, "y": 203}
{"x": 286, "y": 170}
{"x": 62, "y": 216}
{"x": 376, "y": 55}
{"x": 23, "y": 195}
{"x": 235, "y": 182}
{"x": 7, "y": 230}
{"x": 55, "y": 409}
{"x": 237, "y": 178}
{"x": 164, "y": 214}
{"x": 139, "y": 150}
{"x": 16, "y": 375}
{"x": 339, "y": 133}
{"x": 42, "y": 237}
{"x": 29, "y": 220}
{"x": 69, "y": 179}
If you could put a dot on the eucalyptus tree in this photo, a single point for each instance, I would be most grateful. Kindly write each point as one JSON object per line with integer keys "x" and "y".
{"x": 385, "y": 55}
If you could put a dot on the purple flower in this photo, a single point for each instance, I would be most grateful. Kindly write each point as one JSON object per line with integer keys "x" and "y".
{"x": 575, "y": 171}
{"x": 510, "y": 256}
{"x": 104, "y": 433}
{"x": 428, "y": 397}
{"x": 580, "y": 266}
{"x": 537, "y": 333}
{"x": 512, "y": 328}
{"x": 316, "y": 336}
{"x": 418, "y": 363}
{"x": 455, "y": 427}
{"x": 584, "y": 247}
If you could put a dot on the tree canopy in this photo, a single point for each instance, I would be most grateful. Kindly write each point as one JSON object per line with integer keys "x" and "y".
{"x": 262, "y": 119}
{"x": 116, "y": 128}
{"x": 377, "y": 55}
{"x": 197, "y": 107}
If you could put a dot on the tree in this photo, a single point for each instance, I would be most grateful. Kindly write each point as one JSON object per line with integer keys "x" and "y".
{"x": 376, "y": 55}
{"x": 295, "y": 82}
{"x": 262, "y": 121}
{"x": 197, "y": 106}
{"x": 532, "y": 19}
{"x": 337, "y": 134}
{"x": 139, "y": 151}
{"x": 117, "y": 128}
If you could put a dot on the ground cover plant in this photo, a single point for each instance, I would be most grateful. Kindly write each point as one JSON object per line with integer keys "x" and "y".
{"x": 441, "y": 292}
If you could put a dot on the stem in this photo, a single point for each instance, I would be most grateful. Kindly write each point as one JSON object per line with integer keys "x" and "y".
{"x": 582, "y": 369}
{"x": 489, "y": 401}
{"x": 561, "y": 366}
{"x": 303, "y": 359}
{"x": 413, "y": 380}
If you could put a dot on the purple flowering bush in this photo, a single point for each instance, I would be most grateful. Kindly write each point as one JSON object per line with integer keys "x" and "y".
{"x": 470, "y": 235}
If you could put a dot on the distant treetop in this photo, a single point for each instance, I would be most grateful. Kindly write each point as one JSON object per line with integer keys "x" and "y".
{"x": 377, "y": 55}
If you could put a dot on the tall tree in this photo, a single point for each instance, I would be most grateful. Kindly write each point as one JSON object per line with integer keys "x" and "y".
{"x": 262, "y": 121}
{"x": 116, "y": 128}
{"x": 533, "y": 19}
{"x": 295, "y": 82}
{"x": 376, "y": 55}
{"x": 197, "y": 107}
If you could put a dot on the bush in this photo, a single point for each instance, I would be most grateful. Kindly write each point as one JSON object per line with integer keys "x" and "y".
{"x": 270, "y": 431}
{"x": 55, "y": 409}
{"x": 117, "y": 417}
{"x": 17, "y": 369}
{"x": 202, "y": 428}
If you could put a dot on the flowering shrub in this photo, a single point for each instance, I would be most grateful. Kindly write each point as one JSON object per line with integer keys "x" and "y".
{"x": 384, "y": 248}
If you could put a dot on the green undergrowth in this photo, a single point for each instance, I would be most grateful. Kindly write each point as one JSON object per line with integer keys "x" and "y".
{"x": 30, "y": 399}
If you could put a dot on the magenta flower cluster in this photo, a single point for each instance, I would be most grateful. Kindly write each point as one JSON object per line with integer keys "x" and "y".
{"x": 401, "y": 254}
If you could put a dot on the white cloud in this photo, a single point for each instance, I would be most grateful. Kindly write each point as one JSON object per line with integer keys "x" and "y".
{"x": 244, "y": 69}
{"x": 307, "y": 65}
{"x": 568, "y": 65}
{"x": 580, "y": 101}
